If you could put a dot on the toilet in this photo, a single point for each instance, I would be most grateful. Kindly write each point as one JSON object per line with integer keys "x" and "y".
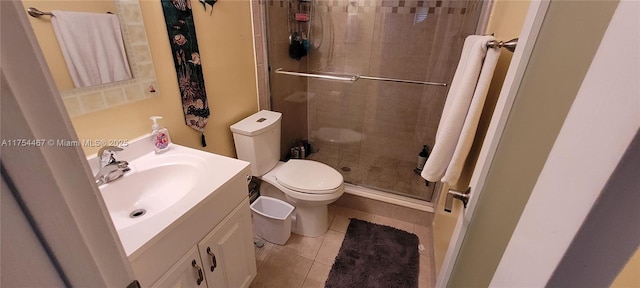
{"x": 307, "y": 185}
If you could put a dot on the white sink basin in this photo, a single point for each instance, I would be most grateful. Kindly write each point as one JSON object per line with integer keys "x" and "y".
{"x": 148, "y": 190}
{"x": 161, "y": 188}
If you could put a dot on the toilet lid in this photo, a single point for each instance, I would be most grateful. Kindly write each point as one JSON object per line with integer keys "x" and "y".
{"x": 309, "y": 177}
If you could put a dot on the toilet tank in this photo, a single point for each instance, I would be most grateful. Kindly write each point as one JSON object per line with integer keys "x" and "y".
{"x": 257, "y": 140}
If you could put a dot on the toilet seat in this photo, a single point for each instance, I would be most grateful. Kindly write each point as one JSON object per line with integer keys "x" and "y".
{"x": 307, "y": 176}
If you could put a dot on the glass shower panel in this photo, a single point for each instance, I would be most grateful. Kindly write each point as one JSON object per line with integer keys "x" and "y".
{"x": 288, "y": 94}
{"x": 372, "y": 131}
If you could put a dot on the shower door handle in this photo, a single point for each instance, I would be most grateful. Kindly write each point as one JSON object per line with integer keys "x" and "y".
{"x": 462, "y": 196}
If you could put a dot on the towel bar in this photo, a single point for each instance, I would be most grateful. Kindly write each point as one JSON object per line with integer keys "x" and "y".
{"x": 509, "y": 45}
{"x": 354, "y": 78}
{"x": 462, "y": 196}
{"x": 34, "y": 12}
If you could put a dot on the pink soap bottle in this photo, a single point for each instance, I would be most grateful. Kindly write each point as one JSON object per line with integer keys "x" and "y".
{"x": 159, "y": 136}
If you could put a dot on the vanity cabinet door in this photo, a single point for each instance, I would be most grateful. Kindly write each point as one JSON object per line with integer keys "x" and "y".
{"x": 188, "y": 272}
{"x": 227, "y": 252}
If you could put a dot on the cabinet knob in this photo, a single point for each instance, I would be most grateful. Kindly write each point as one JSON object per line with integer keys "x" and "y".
{"x": 199, "y": 271}
{"x": 214, "y": 262}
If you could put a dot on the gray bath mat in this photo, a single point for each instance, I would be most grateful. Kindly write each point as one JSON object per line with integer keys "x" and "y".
{"x": 374, "y": 255}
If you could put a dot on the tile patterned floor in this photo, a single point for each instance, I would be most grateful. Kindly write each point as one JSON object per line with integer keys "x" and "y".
{"x": 378, "y": 172}
{"x": 305, "y": 262}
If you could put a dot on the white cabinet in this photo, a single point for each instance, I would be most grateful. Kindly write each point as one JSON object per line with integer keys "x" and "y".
{"x": 228, "y": 253}
{"x": 220, "y": 224}
{"x": 187, "y": 273}
{"x": 224, "y": 258}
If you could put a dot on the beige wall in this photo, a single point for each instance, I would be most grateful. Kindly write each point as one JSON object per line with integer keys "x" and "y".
{"x": 554, "y": 74}
{"x": 225, "y": 41}
{"x": 629, "y": 277}
{"x": 506, "y": 22}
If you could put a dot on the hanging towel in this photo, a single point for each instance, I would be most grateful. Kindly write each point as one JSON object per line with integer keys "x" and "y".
{"x": 462, "y": 110}
{"x": 92, "y": 47}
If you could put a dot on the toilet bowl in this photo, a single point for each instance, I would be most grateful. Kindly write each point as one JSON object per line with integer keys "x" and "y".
{"x": 308, "y": 185}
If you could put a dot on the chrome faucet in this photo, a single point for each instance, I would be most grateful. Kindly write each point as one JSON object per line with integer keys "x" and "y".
{"x": 110, "y": 169}
{"x": 111, "y": 150}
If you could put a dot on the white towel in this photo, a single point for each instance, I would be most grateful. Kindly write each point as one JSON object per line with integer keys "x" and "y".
{"x": 462, "y": 110}
{"x": 92, "y": 47}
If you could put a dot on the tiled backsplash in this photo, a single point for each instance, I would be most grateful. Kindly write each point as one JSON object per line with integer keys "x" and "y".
{"x": 390, "y": 6}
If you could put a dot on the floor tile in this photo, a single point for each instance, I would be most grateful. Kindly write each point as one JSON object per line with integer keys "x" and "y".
{"x": 282, "y": 270}
{"x": 338, "y": 210}
{"x": 376, "y": 171}
{"x": 306, "y": 247}
{"x": 425, "y": 234}
{"x": 317, "y": 276}
{"x": 395, "y": 223}
{"x": 426, "y": 276}
{"x": 306, "y": 262}
{"x": 331, "y": 214}
{"x": 341, "y": 220}
{"x": 330, "y": 247}
{"x": 262, "y": 253}
{"x": 339, "y": 224}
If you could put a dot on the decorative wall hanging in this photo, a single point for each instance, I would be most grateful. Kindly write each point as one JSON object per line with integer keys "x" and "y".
{"x": 208, "y": 2}
{"x": 186, "y": 57}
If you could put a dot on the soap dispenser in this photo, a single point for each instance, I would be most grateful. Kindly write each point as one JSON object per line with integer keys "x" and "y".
{"x": 159, "y": 135}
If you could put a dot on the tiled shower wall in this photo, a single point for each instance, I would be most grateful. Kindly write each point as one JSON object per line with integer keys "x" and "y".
{"x": 258, "y": 11}
{"x": 371, "y": 131}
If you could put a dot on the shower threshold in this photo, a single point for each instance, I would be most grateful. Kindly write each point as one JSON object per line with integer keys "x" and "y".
{"x": 387, "y": 197}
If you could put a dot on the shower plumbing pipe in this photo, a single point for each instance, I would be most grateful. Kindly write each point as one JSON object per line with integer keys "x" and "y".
{"x": 354, "y": 78}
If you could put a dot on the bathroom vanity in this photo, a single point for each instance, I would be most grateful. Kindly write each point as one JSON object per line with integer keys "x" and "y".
{"x": 212, "y": 247}
{"x": 196, "y": 227}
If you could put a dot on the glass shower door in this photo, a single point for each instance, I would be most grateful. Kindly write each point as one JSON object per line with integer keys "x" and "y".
{"x": 371, "y": 131}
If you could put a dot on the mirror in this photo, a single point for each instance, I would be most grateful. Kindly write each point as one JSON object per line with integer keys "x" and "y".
{"x": 85, "y": 100}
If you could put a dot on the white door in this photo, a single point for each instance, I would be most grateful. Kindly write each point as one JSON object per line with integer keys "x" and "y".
{"x": 576, "y": 179}
{"x": 528, "y": 35}
{"x": 601, "y": 122}
{"x": 53, "y": 185}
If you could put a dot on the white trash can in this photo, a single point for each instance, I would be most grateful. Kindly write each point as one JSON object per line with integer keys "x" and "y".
{"x": 272, "y": 219}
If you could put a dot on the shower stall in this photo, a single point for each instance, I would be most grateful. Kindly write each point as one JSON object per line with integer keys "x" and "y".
{"x": 364, "y": 82}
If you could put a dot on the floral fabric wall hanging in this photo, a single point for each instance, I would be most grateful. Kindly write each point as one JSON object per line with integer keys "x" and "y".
{"x": 186, "y": 57}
